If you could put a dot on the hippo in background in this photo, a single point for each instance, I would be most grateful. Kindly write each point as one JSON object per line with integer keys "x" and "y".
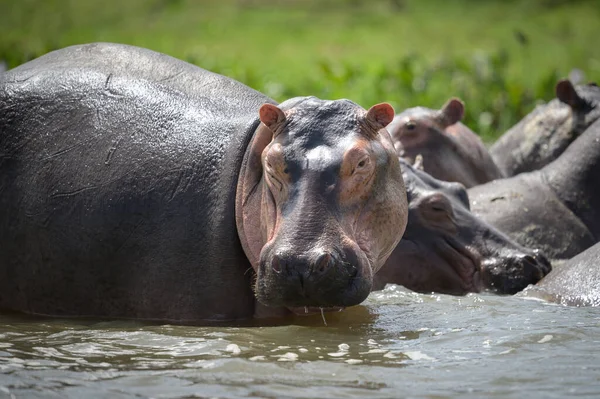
{"x": 451, "y": 151}
{"x": 135, "y": 185}
{"x": 576, "y": 282}
{"x": 447, "y": 249}
{"x": 548, "y": 130}
{"x": 555, "y": 209}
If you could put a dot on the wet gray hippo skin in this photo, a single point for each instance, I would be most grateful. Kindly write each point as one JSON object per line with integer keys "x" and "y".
{"x": 135, "y": 185}
{"x": 557, "y": 208}
{"x": 574, "y": 283}
{"x": 447, "y": 249}
{"x": 548, "y": 130}
{"x": 450, "y": 150}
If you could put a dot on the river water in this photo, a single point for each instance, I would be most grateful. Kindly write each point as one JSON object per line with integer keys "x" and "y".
{"x": 398, "y": 344}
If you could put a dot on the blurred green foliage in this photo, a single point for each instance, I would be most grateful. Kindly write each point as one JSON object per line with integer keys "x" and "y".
{"x": 500, "y": 56}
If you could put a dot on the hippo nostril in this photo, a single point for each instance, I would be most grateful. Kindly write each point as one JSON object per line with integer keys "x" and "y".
{"x": 323, "y": 263}
{"x": 276, "y": 264}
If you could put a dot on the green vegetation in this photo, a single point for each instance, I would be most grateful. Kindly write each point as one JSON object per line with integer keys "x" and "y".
{"x": 500, "y": 57}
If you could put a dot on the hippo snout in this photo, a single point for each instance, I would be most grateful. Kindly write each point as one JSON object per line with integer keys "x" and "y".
{"x": 314, "y": 267}
{"x": 512, "y": 273}
{"x": 325, "y": 278}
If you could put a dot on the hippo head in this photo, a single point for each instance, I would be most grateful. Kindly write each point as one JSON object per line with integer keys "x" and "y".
{"x": 414, "y": 129}
{"x": 447, "y": 249}
{"x": 451, "y": 151}
{"x": 321, "y": 202}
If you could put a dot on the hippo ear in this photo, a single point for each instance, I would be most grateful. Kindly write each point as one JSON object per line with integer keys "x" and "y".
{"x": 566, "y": 93}
{"x": 272, "y": 116}
{"x": 452, "y": 112}
{"x": 380, "y": 115}
{"x": 418, "y": 164}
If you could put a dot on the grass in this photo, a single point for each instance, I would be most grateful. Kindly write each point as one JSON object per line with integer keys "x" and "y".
{"x": 500, "y": 57}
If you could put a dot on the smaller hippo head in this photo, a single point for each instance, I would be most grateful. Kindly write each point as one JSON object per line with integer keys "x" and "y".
{"x": 452, "y": 152}
{"x": 447, "y": 249}
{"x": 415, "y": 128}
{"x": 318, "y": 211}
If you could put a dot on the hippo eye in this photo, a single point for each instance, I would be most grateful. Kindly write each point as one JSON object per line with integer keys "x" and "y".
{"x": 361, "y": 165}
{"x": 411, "y": 125}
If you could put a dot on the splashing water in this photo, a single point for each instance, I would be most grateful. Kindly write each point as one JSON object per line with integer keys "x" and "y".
{"x": 398, "y": 344}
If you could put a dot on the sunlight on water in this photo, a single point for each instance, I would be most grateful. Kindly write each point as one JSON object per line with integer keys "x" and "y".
{"x": 398, "y": 344}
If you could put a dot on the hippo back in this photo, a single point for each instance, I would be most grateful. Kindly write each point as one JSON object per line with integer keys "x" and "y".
{"x": 118, "y": 171}
{"x": 545, "y": 133}
{"x": 574, "y": 283}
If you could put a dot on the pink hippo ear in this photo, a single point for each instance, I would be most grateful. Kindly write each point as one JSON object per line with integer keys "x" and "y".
{"x": 566, "y": 93}
{"x": 271, "y": 116}
{"x": 380, "y": 115}
{"x": 452, "y": 112}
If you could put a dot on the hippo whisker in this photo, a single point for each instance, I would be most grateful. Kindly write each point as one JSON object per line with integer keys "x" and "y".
{"x": 323, "y": 316}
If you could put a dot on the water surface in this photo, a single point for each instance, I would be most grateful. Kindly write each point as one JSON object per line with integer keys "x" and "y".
{"x": 398, "y": 344}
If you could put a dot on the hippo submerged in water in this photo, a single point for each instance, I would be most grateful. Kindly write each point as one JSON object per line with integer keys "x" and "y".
{"x": 545, "y": 133}
{"x": 136, "y": 185}
{"x": 557, "y": 208}
{"x": 447, "y": 249}
{"x": 450, "y": 150}
{"x": 574, "y": 283}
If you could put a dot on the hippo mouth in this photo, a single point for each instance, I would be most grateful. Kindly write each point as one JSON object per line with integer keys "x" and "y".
{"x": 464, "y": 262}
{"x": 322, "y": 286}
{"x": 311, "y": 310}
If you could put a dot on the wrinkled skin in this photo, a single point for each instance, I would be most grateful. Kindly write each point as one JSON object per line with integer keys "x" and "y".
{"x": 447, "y": 249}
{"x": 450, "y": 150}
{"x": 135, "y": 185}
{"x": 555, "y": 209}
{"x": 320, "y": 221}
{"x": 574, "y": 283}
{"x": 548, "y": 130}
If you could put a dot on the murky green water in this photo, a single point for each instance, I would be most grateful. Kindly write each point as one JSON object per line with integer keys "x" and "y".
{"x": 399, "y": 344}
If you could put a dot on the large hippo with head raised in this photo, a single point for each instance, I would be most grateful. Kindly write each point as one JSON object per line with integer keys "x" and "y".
{"x": 548, "y": 130}
{"x": 450, "y": 150}
{"x": 135, "y": 185}
{"x": 556, "y": 208}
{"x": 447, "y": 249}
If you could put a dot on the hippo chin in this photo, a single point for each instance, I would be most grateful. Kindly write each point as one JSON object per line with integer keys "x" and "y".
{"x": 574, "y": 283}
{"x": 447, "y": 249}
{"x": 548, "y": 130}
{"x": 450, "y": 150}
{"x": 556, "y": 208}
{"x": 135, "y": 185}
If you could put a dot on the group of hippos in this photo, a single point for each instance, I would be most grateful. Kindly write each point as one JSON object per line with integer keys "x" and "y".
{"x": 135, "y": 185}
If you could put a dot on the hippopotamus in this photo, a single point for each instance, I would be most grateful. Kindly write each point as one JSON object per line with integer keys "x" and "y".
{"x": 575, "y": 283}
{"x": 135, "y": 185}
{"x": 451, "y": 151}
{"x": 447, "y": 249}
{"x": 556, "y": 208}
{"x": 548, "y": 130}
